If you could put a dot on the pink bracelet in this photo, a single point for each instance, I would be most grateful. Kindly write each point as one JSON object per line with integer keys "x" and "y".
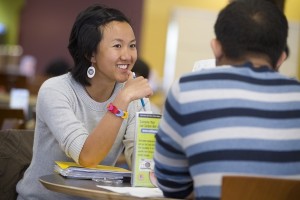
{"x": 119, "y": 113}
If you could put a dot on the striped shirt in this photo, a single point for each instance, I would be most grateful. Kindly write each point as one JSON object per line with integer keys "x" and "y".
{"x": 227, "y": 121}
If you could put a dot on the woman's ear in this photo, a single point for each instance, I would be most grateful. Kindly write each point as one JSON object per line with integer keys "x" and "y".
{"x": 281, "y": 59}
{"x": 216, "y": 48}
{"x": 93, "y": 58}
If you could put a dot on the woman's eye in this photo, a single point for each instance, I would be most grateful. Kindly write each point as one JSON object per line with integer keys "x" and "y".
{"x": 133, "y": 45}
{"x": 117, "y": 45}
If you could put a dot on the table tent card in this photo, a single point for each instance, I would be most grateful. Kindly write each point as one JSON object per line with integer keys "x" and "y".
{"x": 143, "y": 163}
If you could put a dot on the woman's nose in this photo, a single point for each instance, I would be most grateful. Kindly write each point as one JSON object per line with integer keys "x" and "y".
{"x": 126, "y": 54}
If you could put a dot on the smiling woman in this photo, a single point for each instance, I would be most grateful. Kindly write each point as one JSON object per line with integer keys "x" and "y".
{"x": 88, "y": 114}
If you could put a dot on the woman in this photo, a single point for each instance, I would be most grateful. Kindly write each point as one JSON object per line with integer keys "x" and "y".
{"x": 88, "y": 115}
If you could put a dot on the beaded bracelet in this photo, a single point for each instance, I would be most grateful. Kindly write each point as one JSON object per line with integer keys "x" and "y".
{"x": 119, "y": 113}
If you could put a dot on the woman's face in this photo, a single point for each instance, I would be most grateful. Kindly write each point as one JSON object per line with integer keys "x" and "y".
{"x": 116, "y": 52}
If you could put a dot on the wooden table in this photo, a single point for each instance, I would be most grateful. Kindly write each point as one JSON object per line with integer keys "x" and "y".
{"x": 86, "y": 188}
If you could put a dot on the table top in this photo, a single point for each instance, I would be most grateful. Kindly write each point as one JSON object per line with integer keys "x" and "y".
{"x": 86, "y": 188}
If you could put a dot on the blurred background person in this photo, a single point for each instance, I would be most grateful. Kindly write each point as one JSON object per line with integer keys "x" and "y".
{"x": 141, "y": 68}
{"x": 57, "y": 67}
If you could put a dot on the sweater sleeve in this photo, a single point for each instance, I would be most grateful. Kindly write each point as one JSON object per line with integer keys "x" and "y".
{"x": 55, "y": 109}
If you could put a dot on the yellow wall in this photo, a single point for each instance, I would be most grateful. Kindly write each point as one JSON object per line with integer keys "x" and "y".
{"x": 292, "y": 11}
{"x": 155, "y": 23}
{"x": 156, "y": 18}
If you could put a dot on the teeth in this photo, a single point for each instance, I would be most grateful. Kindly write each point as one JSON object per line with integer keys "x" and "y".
{"x": 122, "y": 66}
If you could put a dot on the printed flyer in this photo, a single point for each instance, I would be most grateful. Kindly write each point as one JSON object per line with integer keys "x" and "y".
{"x": 143, "y": 163}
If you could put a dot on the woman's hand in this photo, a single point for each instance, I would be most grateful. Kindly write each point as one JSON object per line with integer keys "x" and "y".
{"x": 136, "y": 88}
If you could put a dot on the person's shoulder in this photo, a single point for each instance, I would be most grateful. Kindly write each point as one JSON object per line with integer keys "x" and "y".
{"x": 291, "y": 79}
{"x": 58, "y": 86}
{"x": 195, "y": 75}
{"x": 58, "y": 83}
{"x": 57, "y": 80}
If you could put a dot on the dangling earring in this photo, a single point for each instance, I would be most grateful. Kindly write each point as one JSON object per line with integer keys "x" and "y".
{"x": 91, "y": 72}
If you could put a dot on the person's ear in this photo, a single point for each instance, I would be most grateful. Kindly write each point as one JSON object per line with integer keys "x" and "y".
{"x": 281, "y": 59}
{"x": 216, "y": 48}
{"x": 93, "y": 58}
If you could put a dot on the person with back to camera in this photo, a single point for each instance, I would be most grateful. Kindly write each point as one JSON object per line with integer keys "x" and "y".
{"x": 240, "y": 118}
{"x": 88, "y": 114}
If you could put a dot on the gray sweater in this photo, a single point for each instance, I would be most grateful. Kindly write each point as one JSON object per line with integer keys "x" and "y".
{"x": 65, "y": 115}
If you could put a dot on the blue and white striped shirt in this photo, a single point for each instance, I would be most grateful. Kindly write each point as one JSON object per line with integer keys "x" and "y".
{"x": 227, "y": 121}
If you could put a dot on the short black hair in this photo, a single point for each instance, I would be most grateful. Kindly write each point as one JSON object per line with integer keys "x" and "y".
{"x": 279, "y": 3}
{"x": 252, "y": 27}
{"x": 86, "y": 35}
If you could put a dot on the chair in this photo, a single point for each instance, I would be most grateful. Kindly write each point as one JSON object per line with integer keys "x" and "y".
{"x": 259, "y": 188}
{"x": 15, "y": 156}
{"x": 12, "y": 118}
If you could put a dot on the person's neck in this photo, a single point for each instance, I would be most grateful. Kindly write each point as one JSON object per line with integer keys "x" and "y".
{"x": 257, "y": 61}
{"x": 100, "y": 94}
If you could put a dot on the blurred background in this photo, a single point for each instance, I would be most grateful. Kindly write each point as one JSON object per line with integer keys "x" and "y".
{"x": 171, "y": 36}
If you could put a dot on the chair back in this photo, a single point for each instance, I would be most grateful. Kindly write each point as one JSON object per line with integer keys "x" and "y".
{"x": 259, "y": 188}
{"x": 15, "y": 157}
